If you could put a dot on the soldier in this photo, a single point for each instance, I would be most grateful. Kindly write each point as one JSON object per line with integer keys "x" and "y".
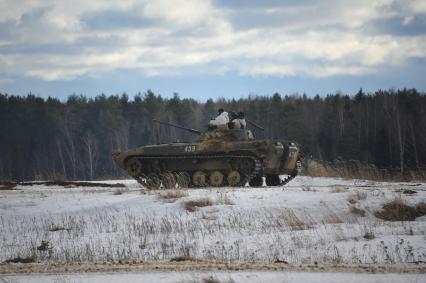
{"x": 221, "y": 120}
{"x": 239, "y": 122}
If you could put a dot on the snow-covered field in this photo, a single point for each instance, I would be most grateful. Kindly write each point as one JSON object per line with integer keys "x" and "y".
{"x": 220, "y": 277}
{"x": 309, "y": 221}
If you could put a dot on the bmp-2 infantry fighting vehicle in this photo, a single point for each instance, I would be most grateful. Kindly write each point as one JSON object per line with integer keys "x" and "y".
{"x": 219, "y": 157}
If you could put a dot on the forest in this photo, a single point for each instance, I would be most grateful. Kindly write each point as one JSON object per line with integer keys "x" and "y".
{"x": 46, "y": 138}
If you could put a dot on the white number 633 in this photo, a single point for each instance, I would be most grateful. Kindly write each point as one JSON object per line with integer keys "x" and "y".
{"x": 190, "y": 148}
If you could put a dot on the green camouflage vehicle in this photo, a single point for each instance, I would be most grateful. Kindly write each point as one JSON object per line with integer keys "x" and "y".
{"x": 219, "y": 157}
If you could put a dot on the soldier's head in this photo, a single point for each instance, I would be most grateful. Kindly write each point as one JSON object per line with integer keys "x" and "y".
{"x": 220, "y": 111}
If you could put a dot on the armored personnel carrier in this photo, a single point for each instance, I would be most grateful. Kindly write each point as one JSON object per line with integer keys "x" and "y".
{"x": 219, "y": 157}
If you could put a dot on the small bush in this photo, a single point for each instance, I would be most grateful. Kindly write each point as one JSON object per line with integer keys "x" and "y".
{"x": 369, "y": 236}
{"x": 397, "y": 210}
{"x": 358, "y": 211}
{"x": 44, "y": 246}
{"x": 193, "y": 205}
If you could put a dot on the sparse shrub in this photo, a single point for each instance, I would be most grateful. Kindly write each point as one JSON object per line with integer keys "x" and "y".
{"x": 369, "y": 235}
{"x": 358, "y": 211}
{"x": 193, "y": 205}
{"x": 397, "y": 210}
{"x": 44, "y": 246}
{"x": 172, "y": 195}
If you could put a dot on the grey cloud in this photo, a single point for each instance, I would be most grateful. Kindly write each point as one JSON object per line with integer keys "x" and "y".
{"x": 108, "y": 20}
{"x": 396, "y": 26}
{"x": 247, "y": 4}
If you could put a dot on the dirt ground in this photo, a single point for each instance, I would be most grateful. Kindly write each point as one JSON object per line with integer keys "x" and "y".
{"x": 19, "y": 268}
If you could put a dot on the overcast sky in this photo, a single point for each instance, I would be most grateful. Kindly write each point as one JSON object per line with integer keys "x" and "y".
{"x": 202, "y": 49}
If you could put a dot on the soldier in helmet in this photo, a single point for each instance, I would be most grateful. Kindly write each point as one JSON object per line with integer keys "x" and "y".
{"x": 239, "y": 122}
{"x": 221, "y": 120}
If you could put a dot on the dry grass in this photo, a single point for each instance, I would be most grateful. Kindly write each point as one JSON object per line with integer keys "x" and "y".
{"x": 339, "y": 189}
{"x": 223, "y": 198}
{"x": 21, "y": 260}
{"x": 193, "y": 205}
{"x": 356, "y": 196}
{"x": 360, "y": 195}
{"x": 294, "y": 222}
{"x": 120, "y": 191}
{"x": 357, "y": 211}
{"x": 183, "y": 258}
{"x": 397, "y": 210}
{"x": 172, "y": 195}
{"x": 369, "y": 236}
{"x": 209, "y": 216}
{"x": 211, "y": 279}
{"x": 7, "y": 185}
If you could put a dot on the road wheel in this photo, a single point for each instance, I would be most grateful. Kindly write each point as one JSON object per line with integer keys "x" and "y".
{"x": 199, "y": 179}
{"x": 257, "y": 181}
{"x": 233, "y": 178}
{"x": 216, "y": 179}
{"x": 134, "y": 166}
{"x": 273, "y": 180}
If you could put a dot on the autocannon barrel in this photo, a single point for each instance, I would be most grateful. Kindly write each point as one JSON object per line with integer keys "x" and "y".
{"x": 177, "y": 126}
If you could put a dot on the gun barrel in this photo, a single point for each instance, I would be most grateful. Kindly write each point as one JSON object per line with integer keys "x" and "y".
{"x": 255, "y": 125}
{"x": 177, "y": 126}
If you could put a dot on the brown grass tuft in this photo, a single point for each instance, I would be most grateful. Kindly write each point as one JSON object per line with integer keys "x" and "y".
{"x": 358, "y": 211}
{"x": 193, "y": 205}
{"x": 172, "y": 195}
{"x": 21, "y": 260}
{"x": 7, "y": 185}
{"x": 397, "y": 210}
{"x": 183, "y": 258}
{"x": 369, "y": 236}
{"x": 211, "y": 279}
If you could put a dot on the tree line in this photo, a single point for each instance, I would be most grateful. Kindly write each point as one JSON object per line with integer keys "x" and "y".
{"x": 73, "y": 139}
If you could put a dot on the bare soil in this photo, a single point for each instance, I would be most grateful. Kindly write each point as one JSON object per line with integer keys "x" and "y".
{"x": 199, "y": 265}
